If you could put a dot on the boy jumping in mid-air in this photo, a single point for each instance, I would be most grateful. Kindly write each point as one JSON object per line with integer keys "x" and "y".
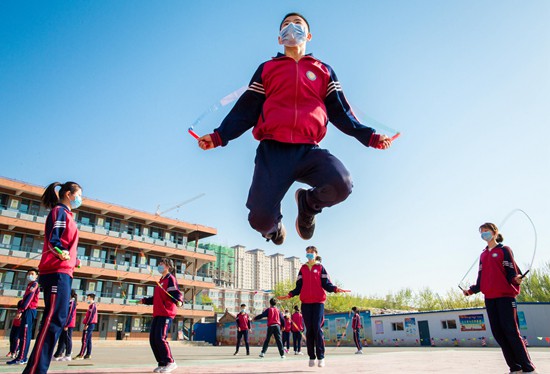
{"x": 289, "y": 102}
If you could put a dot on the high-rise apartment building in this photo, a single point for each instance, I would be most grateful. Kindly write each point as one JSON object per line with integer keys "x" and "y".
{"x": 119, "y": 248}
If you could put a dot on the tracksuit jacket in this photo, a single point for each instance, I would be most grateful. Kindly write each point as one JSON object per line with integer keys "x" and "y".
{"x": 292, "y": 102}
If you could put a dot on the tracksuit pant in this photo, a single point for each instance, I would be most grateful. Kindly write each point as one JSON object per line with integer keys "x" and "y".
{"x": 286, "y": 340}
{"x": 65, "y": 345}
{"x": 357, "y": 339}
{"x": 297, "y": 341}
{"x": 313, "y": 315}
{"x": 274, "y": 330}
{"x": 25, "y": 333}
{"x": 277, "y": 166}
{"x": 244, "y": 335}
{"x": 14, "y": 339}
{"x": 503, "y": 318}
{"x": 160, "y": 328}
{"x": 57, "y": 292}
{"x": 87, "y": 334}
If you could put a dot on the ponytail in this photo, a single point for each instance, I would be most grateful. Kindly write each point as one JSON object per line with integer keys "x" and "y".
{"x": 51, "y": 197}
{"x": 319, "y": 259}
{"x": 499, "y": 238}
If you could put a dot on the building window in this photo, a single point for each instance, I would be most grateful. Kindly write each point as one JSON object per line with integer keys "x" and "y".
{"x": 134, "y": 228}
{"x": 112, "y": 224}
{"x": 3, "y": 201}
{"x": 397, "y": 326}
{"x": 87, "y": 219}
{"x": 448, "y": 324}
{"x": 155, "y": 233}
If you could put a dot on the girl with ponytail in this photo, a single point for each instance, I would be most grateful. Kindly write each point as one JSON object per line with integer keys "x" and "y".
{"x": 165, "y": 300}
{"x": 499, "y": 279}
{"x": 56, "y": 269}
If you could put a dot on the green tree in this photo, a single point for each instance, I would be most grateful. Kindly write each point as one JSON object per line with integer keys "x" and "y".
{"x": 282, "y": 289}
{"x": 536, "y": 285}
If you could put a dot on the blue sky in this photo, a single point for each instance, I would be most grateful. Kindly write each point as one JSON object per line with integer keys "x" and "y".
{"x": 102, "y": 92}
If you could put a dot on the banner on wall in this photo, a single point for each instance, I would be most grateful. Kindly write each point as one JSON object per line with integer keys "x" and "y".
{"x": 410, "y": 326}
{"x": 379, "y": 327}
{"x": 522, "y": 322}
{"x": 472, "y": 322}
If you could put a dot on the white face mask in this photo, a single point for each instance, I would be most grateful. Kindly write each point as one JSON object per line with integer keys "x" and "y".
{"x": 31, "y": 278}
{"x": 293, "y": 35}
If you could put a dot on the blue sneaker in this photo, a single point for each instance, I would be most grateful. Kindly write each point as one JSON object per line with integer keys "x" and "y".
{"x": 17, "y": 362}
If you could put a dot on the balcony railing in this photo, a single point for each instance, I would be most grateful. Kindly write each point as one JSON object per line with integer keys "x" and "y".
{"x": 102, "y": 231}
{"x": 10, "y": 290}
{"x": 94, "y": 262}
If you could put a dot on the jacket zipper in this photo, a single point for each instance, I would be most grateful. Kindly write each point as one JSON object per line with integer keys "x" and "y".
{"x": 295, "y": 101}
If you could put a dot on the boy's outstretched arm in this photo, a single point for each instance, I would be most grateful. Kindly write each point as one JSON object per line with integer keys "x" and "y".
{"x": 241, "y": 118}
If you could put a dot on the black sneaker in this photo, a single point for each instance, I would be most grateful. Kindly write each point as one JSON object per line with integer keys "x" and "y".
{"x": 305, "y": 224}
{"x": 87, "y": 357}
{"x": 279, "y": 236}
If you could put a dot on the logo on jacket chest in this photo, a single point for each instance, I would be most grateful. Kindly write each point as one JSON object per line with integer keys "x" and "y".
{"x": 311, "y": 75}
{"x": 494, "y": 255}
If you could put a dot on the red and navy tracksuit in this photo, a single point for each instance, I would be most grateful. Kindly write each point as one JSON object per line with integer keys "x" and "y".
{"x": 289, "y": 105}
{"x": 28, "y": 315}
{"x": 286, "y": 332}
{"x": 65, "y": 345}
{"x": 89, "y": 322}
{"x": 497, "y": 269}
{"x": 356, "y": 327}
{"x": 243, "y": 327}
{"x": 14, "y": 335}
{"x": 275, "y": 320}
{"x": 164, "y": 311}
{"x": 311, "y": 284}
{"x": 56, "y": 278}
{"x": 297, "y": 328}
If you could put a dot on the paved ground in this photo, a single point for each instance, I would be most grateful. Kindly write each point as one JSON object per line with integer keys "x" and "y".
{"x": 136, "y": 357}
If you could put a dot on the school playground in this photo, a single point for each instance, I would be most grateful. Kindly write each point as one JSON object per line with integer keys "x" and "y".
{"x": 136, "y": 357}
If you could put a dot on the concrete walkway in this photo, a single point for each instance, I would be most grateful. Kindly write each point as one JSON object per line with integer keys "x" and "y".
{"x": 136, "y": 357}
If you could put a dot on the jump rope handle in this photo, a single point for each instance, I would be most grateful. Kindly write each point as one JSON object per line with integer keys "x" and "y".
{"x": 524, "y": 274}
{"x": 193, "y": 133}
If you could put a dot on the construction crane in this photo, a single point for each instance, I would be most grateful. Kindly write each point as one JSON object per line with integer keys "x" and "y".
{"x": 159, "y": 213}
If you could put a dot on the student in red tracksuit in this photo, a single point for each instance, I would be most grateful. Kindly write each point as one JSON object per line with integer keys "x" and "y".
{"x": 243, "y": 328}
{"x": 14, "y": 334}
{"x": 356, "y": 326}
{"x": 288, "y": 103}
{"x": 312, "y": 284}
{"x": 65, "y": 345}
{"x": 275, "y": 320}
{"x": 166, "y": 299}
{"x": 297, "y": 328}
{"x": 499, "y": 279}
{"x": 26, "y": 312}
{"x": 56, "y": 270}
{"x": 89, "y": 322}
{"x": 286, "y": 331}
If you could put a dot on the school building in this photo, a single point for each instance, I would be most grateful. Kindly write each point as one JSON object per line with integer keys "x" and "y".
{"x": 119, "y": 248}
{"x": 457, "y": 327}
{"x": 441, "y": 328}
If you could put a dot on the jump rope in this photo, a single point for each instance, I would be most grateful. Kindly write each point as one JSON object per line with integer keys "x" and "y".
{"x": 233, "y": 96}
{"x": 460, "y": 284}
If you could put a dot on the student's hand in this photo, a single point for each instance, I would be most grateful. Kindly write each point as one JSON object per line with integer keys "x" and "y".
{"x": 384, "y": 142}
{"x": 466, "y": 292}
{"x": 206, "y": 142}
{"x": 85, "y": 327}
{"x": 65, "y": 328}
{"x": 179, "y": 304}
{"x": 238, "y": 329}
{"x": 18, "y": 315}
{"x": 286, "y": 297}
{"x": 518, "y": 279}
{"x": 63, "y": 256}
